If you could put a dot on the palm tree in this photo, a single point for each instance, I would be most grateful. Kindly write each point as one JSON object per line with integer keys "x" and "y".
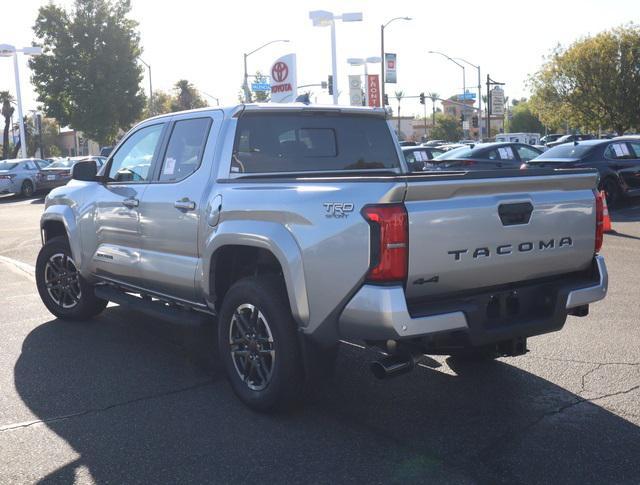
{"x": 399, "y": 96}
{"x": 433, "y": 97}
{"x": 7, "y": 112}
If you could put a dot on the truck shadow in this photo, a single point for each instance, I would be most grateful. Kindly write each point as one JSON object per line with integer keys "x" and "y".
{"x": 144, "y": 401}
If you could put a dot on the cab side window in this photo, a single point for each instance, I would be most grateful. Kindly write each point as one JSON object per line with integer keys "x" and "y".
{"x": 635, "y": 146}
{"x": 526, "y": 153}
{"x": 185, "y": 148}
{"x": 132, "y": 161}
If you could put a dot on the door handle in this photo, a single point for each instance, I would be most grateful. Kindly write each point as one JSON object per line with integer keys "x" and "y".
{"x": 130, "y": 203}
{"x": 184, "y": 204}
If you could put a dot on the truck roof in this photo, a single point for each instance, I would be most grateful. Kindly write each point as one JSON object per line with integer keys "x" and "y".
{"x": 235, "y": 110}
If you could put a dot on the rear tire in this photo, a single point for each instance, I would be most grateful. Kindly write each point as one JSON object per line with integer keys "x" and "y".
{"x": 62, "y": 289}
{"x": 27, "y": 189}
{"x": 258, "y": 344}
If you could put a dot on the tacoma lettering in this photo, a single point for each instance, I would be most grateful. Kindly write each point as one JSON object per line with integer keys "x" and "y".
{"x": 505, "y": 249}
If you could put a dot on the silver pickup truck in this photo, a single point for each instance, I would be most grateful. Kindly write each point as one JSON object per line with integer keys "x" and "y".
{"x": 296, "y": 226}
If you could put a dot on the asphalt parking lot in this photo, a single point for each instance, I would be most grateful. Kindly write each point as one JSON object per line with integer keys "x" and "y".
{"x": 127, "y": 399}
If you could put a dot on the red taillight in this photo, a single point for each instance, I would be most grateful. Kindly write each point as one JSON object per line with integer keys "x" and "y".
{"x": 389, "y": 242}
{"x": 599, "y": 221}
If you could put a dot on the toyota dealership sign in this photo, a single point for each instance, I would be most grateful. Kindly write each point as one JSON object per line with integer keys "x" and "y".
{"x": 284, "y": 83}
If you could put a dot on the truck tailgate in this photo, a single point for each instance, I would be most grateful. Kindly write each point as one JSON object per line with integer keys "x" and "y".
{"x": 497, "y": 228}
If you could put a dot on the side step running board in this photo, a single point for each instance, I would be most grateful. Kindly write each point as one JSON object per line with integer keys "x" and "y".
{"x": 156, "y": 308}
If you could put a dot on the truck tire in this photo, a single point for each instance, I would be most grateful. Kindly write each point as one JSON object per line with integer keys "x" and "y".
{"x": 258, "y": 344}
{"x": 62, "y": 289}
{"x": 26, "y": 190}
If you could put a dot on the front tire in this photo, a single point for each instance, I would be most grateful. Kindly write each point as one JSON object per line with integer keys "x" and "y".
{"x": 258, "y": 344}
{"x": 26, "y": 190}
{"x": 62, "y": 289}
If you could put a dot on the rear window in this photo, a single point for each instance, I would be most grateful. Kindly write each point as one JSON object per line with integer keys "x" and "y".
{"x": 566, "y": 151}
{"x": 462, "y": 152}
{"x": 8, "y": 166}
{"x": 276, "y": 142}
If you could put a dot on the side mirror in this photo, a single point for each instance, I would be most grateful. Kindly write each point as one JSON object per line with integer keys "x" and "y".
{"x": 86, "y": 171}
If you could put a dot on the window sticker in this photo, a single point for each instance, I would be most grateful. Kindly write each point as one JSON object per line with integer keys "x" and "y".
{"x": 169, "y": 166}
{"x": 505, "y": 153}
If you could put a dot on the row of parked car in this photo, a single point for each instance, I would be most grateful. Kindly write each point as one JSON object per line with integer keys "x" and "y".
{"x": 26, "y": 176}
{"x": 617, "y": 160}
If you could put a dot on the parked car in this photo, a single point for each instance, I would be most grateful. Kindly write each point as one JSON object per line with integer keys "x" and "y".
{"x": 617, "y": 160}
{"x": 551, "y": 137}
{"x": 419, "y": 158}
{"x": 451, "y": 146}
{"x": 408, "y": 143}
{"x": 20, "y": 176}
{"x": 487, "y": 156}
{"x": 293, "y": 230}
{"x": 528, "y": 138}
{"x": 59, "y": 172}
{"x": 435, "y": 143}
{"x": 570, "y": 138}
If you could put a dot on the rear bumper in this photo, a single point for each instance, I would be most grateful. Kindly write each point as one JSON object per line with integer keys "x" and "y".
{"x": 488, "y": 316}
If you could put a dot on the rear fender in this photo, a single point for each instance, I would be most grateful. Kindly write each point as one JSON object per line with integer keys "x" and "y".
{"x": 266, "y": 235}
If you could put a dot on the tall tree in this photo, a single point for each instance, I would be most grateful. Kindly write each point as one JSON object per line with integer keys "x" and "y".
{"x": 7, "y": 112}
{"x": 447, "y": 128}
{"x": 593, "y": 83}
{"x": 523, "y": 119}
{"x": 186, "y": 97}
{"x": 89, "y": 77}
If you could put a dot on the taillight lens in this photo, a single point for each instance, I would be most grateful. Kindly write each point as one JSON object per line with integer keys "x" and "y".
{"x": 64, "y": 173}
{"x": 389, "y": 242}
{"x": 599, "y": 220}
{"x": 524, "y": 166}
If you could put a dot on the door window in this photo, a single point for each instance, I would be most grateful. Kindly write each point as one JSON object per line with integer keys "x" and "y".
{"x": 618, "y": 151}
{"x": 185, "y": 149}
{"x": 132, "y": 161}
{"x": 526, "y": 153}
{"x": 635, "y": 146}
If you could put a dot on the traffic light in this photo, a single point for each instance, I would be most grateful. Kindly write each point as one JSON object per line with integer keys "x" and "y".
{"x": 474, "y": 121}
{"x": 421, "y": 98}
{"x": 386, "y": 100}
{"x": 330, "y": 84}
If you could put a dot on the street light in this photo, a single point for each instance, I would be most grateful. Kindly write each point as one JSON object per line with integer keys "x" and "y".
{"x": 150, "y": 87}
{"x": 245, "y": 85}
{"x": 322, "y": 18}
{"x": 479, "y": 96}
{"x": 464, "y": 85}
{"x": 217, "y": 100}
{"x": 7, "y": 50}
{"x": 364, "y": 62}
{"x": 382, "y": 67}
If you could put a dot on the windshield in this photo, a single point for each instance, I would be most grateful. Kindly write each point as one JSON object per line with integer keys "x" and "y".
{"x": 61, "y": 164}
{"x": 566, "y": 151}
{"x": 462, "y": 152}
{"x": 7, "y": 166}
{"x": 277, "y": 142}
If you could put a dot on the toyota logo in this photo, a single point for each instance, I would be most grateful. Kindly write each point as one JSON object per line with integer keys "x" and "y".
{"x": 279, "y": 72}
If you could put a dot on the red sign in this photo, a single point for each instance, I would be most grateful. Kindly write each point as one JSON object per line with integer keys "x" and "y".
{"x": 279, "y": 71}
{"x": 373, "y": 90}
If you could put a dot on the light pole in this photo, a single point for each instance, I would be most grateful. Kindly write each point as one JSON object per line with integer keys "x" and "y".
{"x": 364, "y": 62}
{"x": 245, "y": 84}
{"x": 7, "y": 50}
{"x": 479, "y": 96}
{"x": 464, "y": 82}
{"x": 217, "y": 100}
{"x": 322, "y": 18}
{"x": 150, "y": 87}
{"x": 382, "y": 61}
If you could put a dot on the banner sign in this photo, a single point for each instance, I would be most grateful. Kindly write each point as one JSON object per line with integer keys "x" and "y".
{"x": 390, "y": 68}
{"x": 284, "y": 84}
{"x": 497, "y": 101}
{"x": 373, "y": 90}
{"x": 355, "y": 90}
{"x": 466, "y": 96}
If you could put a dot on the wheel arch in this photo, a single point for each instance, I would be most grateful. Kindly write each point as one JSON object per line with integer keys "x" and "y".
{"x": 263, "y": 244}
{"x": 59, "y": 221}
